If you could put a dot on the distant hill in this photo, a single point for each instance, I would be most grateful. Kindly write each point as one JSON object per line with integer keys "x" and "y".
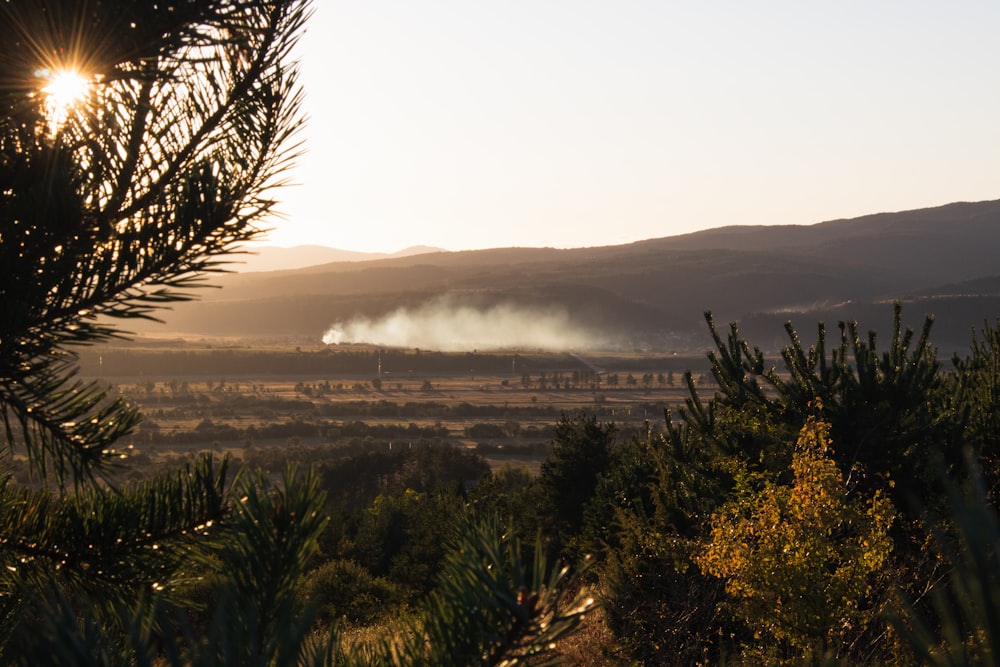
{"x": 273, "y": 258}
{"x": 650, "y": 294}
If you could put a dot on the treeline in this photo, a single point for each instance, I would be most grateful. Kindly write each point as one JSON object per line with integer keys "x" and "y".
{"x": 393, "y": 362}
{"x": 204, "y": 406}
{"x": 199, "y": 405}
{"x": 507, "y": 438}
{"x": 490, "y": 437}
{"x": 210, "y": 431}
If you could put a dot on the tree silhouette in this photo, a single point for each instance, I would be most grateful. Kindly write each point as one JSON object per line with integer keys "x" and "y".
{"x": 168, "y": 162}
{"x": 113, "y": 206}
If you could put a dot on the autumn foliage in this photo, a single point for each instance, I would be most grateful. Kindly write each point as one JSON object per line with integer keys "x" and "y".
{"x": 800, "y": 558}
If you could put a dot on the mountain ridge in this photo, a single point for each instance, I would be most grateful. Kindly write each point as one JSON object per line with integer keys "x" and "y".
{"x": 266, "y": 258}
{"x": 646, "y": 293}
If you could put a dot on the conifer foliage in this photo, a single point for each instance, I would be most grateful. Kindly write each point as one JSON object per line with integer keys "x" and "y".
{"x": 744, "y": 542}
{"x": 113, "y": 203}
{"x": 123, "y": 200}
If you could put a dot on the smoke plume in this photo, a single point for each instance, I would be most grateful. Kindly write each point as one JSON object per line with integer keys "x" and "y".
{"x": 448, "y": 324}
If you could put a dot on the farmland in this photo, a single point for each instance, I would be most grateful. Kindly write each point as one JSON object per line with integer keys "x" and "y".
{"x": 263, "y": 402}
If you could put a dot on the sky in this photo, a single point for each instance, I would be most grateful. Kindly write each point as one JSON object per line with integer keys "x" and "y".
{"x": 466, "y": 124}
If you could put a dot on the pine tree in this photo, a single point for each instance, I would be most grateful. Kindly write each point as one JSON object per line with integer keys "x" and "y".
{"x": 165, "y": 162}
{"x": 112, "y": 205}
{"x": 581, "y": 453}
{"x": 890, "y": 409}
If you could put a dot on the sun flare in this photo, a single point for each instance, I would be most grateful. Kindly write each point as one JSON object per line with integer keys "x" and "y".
{"x": 64, "y": 89}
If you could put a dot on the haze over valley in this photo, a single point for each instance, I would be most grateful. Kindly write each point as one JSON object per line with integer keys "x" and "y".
{"x": 649, "y": 295}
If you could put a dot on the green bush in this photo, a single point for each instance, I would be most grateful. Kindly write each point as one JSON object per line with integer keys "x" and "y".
{"x": 897, "y": 425}
{"x": 342, "y": 589}
{"x": 581, "y": 453}
{"x": 402, "y": 537}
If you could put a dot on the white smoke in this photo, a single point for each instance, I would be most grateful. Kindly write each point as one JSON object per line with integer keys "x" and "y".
{"x": 447, "y": 324}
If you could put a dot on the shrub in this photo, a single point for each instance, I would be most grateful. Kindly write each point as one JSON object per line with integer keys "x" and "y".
{"x": 581, "y": 452}
{"x": 343, "y": 589}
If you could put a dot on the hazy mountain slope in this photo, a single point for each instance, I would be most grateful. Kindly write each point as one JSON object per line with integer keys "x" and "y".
{"x": 651, "y": 292}
{"x": 956, "y": 318}
{"x": 273, "y": 258}
{"x": 955, "y": 241}
{"x": 984, "y": 286}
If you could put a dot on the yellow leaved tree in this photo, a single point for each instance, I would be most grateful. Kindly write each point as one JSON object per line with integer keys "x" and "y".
{"x": 801, "y": 559}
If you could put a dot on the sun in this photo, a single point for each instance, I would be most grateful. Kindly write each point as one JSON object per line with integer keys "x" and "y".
{"x": 63, "y": 90}
{"x": 66, "y": 87}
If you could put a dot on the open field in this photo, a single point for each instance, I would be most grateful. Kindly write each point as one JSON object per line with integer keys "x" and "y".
{"x": 502, "y": 405}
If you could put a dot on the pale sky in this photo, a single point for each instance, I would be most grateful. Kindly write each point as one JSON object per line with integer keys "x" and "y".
{"x": 486, "y": 123}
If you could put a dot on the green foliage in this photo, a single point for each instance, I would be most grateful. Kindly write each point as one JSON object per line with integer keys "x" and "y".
{"x": 342, "y": 589}
{"x": 259, "y": 550}
{"x": 658, "y": 612}
{"x": 581, "y": 452}
{"x": 271, "y": 535}
{"x": 105, "y": 548}
{"x": 491, "y": 607}
{"x": 397, "y": 532}
{"x": 354, "y": 481}
{"x": 963, "y": 627}
{"x": 119, "y": 211}
{"x": 889, "y": 411}
{"x": 897, "y": 419}
{"x": 645, "y": 520}
{"x": 403, "y": 536}
{"x": 514, "y": 495}
{"x": 974, "y": 389}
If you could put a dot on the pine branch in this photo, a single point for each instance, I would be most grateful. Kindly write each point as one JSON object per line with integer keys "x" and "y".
{"x": 492, "y": 608}
{"x": 65, "y": 423}
{"x": 104, "y": 548}
{"x": 269, "y": 539}
{"x": 128, "y": 207}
